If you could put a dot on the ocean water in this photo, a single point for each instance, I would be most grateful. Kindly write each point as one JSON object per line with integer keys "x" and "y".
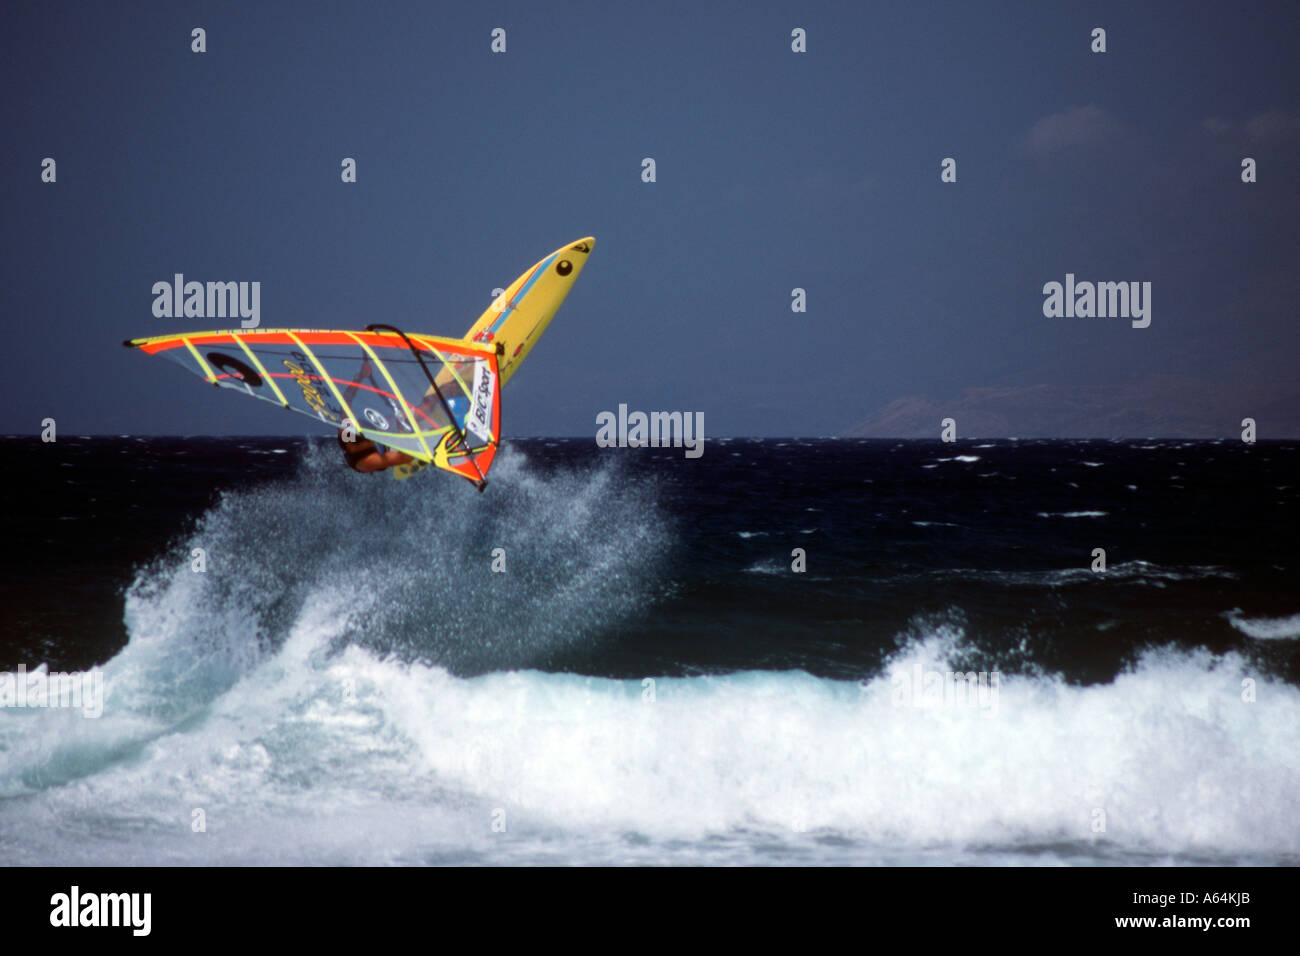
{"x": 649, "y": 681}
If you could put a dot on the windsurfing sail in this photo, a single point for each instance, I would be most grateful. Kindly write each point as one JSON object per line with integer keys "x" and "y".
{"x": 438, "y": 400}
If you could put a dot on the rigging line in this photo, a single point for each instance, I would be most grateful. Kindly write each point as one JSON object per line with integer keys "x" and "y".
{"x": 410, "y": 412}
{"x": 464, "y": 441}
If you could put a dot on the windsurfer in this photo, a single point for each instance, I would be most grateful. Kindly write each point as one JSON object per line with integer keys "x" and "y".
{"x": 363, "y": 456}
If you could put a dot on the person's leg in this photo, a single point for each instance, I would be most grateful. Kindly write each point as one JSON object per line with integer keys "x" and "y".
{"x": 363, "y": 456}
{"x": 356, "y": 452}
{"x": 368, "y": 463}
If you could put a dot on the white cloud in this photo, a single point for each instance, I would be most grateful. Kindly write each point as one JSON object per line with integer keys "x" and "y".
{"x": 1272, "y": 126}
{"x": 1078, "y": 126}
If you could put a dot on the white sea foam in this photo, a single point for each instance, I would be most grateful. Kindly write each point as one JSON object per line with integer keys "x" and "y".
{"x": 1266, "y": 628}
{"x": 291, "y": 713}
{"x": 1138, "y": 572}
{"x": 352, "y": 758}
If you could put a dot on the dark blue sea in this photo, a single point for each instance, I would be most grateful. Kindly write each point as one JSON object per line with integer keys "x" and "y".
{"x": 783, "y": 652}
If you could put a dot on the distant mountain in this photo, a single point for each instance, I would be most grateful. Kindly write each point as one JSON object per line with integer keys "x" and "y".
{"x": 1158, "y": 406}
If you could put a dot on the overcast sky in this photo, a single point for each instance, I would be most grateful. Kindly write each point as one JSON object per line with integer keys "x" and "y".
{"x": 775, "y": 170}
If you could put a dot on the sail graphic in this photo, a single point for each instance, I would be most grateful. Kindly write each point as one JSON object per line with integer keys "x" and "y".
{"x": 436, "y": 399}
